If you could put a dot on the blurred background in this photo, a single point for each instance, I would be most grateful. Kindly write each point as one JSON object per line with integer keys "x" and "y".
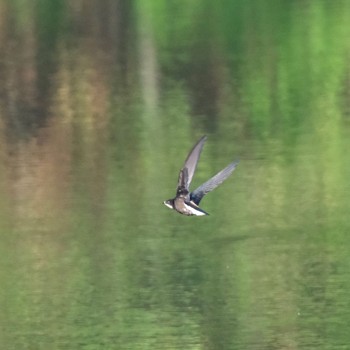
{"x": 100, "y": 102}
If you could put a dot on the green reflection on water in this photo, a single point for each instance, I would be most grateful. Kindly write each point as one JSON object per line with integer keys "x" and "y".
{"x": 96, "y": 121}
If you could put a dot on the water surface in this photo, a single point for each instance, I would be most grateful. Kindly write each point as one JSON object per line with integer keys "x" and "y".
{"x": 100, "y": 103}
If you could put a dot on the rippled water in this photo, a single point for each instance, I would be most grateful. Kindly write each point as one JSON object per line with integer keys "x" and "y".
{"x": 100, "y": 103}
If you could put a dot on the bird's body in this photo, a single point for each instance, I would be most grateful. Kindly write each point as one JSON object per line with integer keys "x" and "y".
{"x": 186, "y": 202}
{"x": 185, "y": 207}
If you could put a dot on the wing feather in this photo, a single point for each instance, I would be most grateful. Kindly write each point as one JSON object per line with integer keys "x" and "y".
{"x": 197, "y": 195}
{"x": 185, "y": 176}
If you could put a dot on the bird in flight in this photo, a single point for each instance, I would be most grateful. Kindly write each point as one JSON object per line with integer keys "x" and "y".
{"x": 186, "y": 202}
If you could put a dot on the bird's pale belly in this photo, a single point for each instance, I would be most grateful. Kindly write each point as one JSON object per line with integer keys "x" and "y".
{"x": 187, "y": 209}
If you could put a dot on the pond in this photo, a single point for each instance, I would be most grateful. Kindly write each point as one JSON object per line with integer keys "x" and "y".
{"x": 100, "y": 103}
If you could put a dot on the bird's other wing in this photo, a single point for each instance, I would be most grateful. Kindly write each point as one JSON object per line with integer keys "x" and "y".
{"x": 183, "y": 179}
{"x": 212, "y": 183}
{"x": 191, "y": 164}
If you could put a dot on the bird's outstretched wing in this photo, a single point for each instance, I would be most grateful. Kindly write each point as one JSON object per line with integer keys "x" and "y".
{"x": 212, "y": 183}
{"x": 183, "y": 179}
{"x": 187, "y": 171}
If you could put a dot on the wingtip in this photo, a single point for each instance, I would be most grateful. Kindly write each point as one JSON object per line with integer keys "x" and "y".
{"x": 233, "y": 164}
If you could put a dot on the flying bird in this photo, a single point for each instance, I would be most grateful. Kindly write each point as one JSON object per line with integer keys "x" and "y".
{"x": 186, "y": 202}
